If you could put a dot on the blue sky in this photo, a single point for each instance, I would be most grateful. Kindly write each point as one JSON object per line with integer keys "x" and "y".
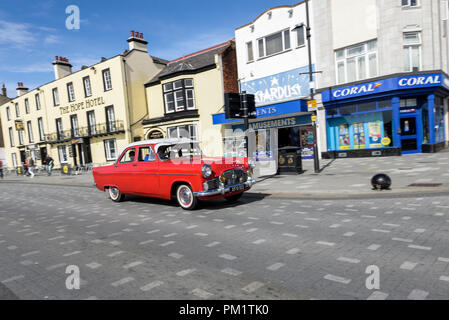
{"x": 33, "y": 32}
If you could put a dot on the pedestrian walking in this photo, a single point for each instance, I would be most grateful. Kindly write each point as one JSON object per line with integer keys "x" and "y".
{"x": 31, "y": 167}
{"x": 48, "y": 161}
{"x": 1, "y": 169}
{"x": 25, "y": 168}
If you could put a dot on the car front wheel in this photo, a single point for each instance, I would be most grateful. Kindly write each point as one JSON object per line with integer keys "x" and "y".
{"x": 185, "y": 197}
{"x": 115, "y": 194}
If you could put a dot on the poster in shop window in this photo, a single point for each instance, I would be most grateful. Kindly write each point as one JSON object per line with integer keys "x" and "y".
{"x": 343, "y": 133}
{"x": 359, "y": 136}
{"x": 375, "y": 135}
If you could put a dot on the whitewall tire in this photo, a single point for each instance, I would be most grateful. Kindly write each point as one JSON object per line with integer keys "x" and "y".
{"x": 115, "y": 194}
{"x": 185, "y": 197}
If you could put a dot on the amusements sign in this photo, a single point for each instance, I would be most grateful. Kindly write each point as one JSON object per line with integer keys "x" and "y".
{"x": 86, "y": 104}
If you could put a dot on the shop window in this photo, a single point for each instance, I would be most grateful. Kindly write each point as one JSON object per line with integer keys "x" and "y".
{"x": 384, "y": 104}
{"x": 364, "y": 107}
{"x": 348, "y": 110}
{"x": 372, "y": 130}
{"x": 425, "y": 124}
{"x": 357, "y": 62}
{"x": 332, "y": 112}
{"x": 439, "y": 120}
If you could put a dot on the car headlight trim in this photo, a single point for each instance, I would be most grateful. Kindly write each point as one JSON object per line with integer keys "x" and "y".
{"x": 206, "y": 171}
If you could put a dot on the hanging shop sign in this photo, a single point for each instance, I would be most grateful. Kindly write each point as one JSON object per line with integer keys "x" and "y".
{"x": 155, "y": 134}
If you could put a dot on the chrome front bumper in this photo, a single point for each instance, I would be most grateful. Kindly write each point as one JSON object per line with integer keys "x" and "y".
{"x": 223, "y": 190}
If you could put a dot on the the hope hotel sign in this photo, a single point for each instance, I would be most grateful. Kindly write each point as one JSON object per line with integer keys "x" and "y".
{"x": 396, "y": 83}
{"x": 86, "y": 104}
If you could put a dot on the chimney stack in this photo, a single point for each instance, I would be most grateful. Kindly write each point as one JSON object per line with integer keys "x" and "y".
{"x": 62, "y": 67}
{"x": 137, "y": 42}
{"x": 21, "y": 89}
{"x": 4, "y": 90}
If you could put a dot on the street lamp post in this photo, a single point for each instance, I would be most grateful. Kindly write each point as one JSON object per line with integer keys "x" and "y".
{"x": 316, "y": 161}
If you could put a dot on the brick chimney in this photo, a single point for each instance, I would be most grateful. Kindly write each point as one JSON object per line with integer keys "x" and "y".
{"x": 21, "y": 89}
{"x": 3, "y": 90}
{"x": 62, "y": 67}
{"x": 137, "y": 42}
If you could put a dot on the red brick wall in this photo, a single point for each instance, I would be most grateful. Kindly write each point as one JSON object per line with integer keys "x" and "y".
{"x": 229, "y": 62}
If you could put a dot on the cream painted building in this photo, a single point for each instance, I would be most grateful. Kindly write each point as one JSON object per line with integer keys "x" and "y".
{"x": 183, "y": 97}
{"x": 83, "y": 117}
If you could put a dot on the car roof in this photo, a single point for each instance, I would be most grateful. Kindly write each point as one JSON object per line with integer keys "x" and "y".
{"x": 160, "y": 142}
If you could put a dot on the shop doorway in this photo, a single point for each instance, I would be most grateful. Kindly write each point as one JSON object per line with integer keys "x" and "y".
{"x": 43, "y": 154}
{"x": 410, "y": 133}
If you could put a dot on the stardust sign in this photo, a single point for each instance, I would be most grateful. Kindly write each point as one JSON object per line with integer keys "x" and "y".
{"x": 384, "y": 85}
{"x": 289, "y": 85}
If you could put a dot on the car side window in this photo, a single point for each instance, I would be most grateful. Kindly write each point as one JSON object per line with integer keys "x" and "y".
{"x": 129, "y": 156}
{"x": 146, "y": 154}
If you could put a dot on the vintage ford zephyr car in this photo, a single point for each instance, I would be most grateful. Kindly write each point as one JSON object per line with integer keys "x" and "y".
{"x": 174, "y": 168}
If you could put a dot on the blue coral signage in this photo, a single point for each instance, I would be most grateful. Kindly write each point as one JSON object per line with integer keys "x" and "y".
{"x": 392, "y": 84}
{"x": 289, "y": 85}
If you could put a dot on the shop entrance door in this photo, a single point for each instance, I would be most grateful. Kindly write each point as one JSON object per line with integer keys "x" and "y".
{"x": 410, "y": 135}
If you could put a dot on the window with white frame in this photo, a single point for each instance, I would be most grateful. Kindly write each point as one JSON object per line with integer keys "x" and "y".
{"x": 59, "y": 128}
{"x": 38, "y": 101}
{"x": 107, "y": 82}
{"x": 274, "y": 43}
{"x": 40, "y": 125}
{"x": 62, "y": 151}
{"x": 110, "y": 149}
{"x": 70, "y": 92}
{"x": 55, "y": 97}
{"x": 8, "y": 113}
{"x": 187, "y": 131}
{"x": 11, "y": 137}
{"x": 20, "y": 132}
{"x": 412, "y": 51}
{"x": 179, "y": 96}
{"x": 17, "y": 110}
{"x": 410, "y": 3}
{"x": 14, "y": 160}
{"x": 87, "y": 87}
{"x": 300, "y": 35}
{"x": 250, "y": 52}
{"x": 30, "y": 132}
{"x": 27, "y": 106}
{"x": 357, "y": 62}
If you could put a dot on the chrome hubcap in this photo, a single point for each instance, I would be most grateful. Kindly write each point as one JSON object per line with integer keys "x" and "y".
{"x": 185, "y": 196}
{"x": 114, "y": 193}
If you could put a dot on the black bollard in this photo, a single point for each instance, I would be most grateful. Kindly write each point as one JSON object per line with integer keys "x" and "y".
{"x": 381, "y": 182}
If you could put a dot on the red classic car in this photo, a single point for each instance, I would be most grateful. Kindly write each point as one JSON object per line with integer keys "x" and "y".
{"x": 174, "y": 168}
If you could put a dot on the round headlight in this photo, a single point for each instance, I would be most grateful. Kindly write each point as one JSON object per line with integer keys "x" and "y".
{"x": 207, "y": 171}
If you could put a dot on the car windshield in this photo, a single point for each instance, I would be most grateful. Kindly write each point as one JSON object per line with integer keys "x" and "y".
{"x": 178, "y": 151}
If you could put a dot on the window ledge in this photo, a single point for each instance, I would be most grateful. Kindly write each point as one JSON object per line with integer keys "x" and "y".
{"x": 411, "y": 7}
{"x": 275, "y": 54}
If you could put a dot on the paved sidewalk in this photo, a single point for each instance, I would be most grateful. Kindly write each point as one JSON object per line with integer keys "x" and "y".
{"x": 418, "y": 173}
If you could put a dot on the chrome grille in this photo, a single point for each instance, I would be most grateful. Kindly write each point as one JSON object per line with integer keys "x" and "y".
{"x": 235, "y": 176}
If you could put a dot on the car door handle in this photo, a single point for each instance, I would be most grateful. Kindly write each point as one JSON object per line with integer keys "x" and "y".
{"x": 134, "y": 165}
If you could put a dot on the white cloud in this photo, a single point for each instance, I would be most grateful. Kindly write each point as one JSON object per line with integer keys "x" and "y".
{"x": 17, "y": 34}
{"x": 52, "y": 39}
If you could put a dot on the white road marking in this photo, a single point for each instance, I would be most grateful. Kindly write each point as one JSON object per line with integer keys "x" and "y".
{"x": 213, "y": 244}
{"x": 151, "y": 285}
{"x": 200, "y": 234}
{"x": 175, "y": 255}
{"x": 231, "y": 272}
{"x": 444, "y": 278}
{"x": 378, "y": 295}
{"x": 381, "y": 230}
{"x": 153, "y": 231}
{"x": 276, "y": 266}
{"x": 253, "y": 286}
{"x": 56, "y": 266}
{"x": 200, "y": 293}
{"x": 252, "y": 230}
{"x": 93, "y": 265}
{"x": 122, "y": 281}
{"x": 71, "y": 253}
{"x": 167, "y": 243}
{"x": 374, "y": 247}
{"x": 185, "y": 272}
{"x": 402, "y": 240}
{"x": 349, "y": 260}
{"x": 132, "y": 264}
{"x": 349, "y": 234}
{"x": 13, "y": 279}
{"x": 419, "y": 230}
{"x": 407, "y": 265}
{"x": 146, "y": 242}
{"x": 170, "y": 235}
{"x": 227, "y": 256}
{"x": 417, "y": 294}
{"x": 441, "y": 259}
{"x": 324, "y": 243}
{"x": 293, "y": 251}
{"x": 259, "y": 241}
{"x": 30, "y": 253}
{"x": 114, "y": 254}
{"x": 419, "y": 247}
{"x": 337, "y": 279}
